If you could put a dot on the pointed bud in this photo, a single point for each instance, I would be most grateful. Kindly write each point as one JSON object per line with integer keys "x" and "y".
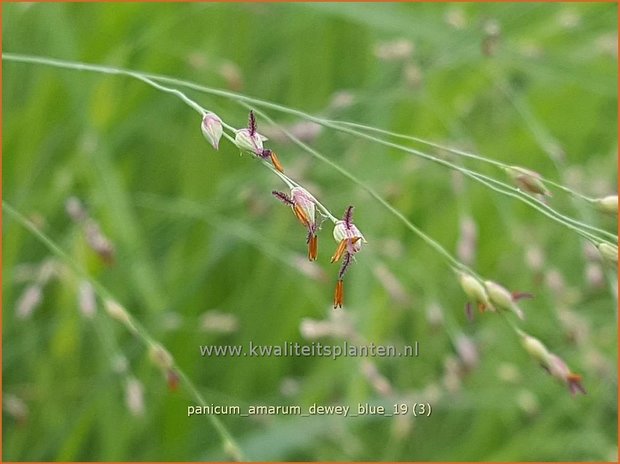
{"x": 607, "y": 204}
{"x": 535, "y": 348}
{"x": 161, "y": 357}
{"x": 502, "y": 298}
{"x": 475, "y": 290}
{"x": 609, "y": 251}
{"x": 212, "y": 129}
{"x": 116, "y": 311}
{"x": 528, "y": 181}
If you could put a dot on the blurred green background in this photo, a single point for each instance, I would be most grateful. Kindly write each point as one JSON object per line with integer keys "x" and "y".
{"x": 204, "y": 255}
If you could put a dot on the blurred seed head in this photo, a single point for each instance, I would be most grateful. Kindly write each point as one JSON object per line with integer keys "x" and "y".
{"x": 535, "y": 258}
{"x": 468, "y": 240}
{"x": 452, "y": 374}
{"x": 75, "y": 210}
{"x": 555, "y": 281}
{"x": 290, "y": 387}
{"x": 401, "y": 426}
{"x": 95, "y": 238}
{"x": 575, "y": 326}
{"x": 609, "y": 251}
{"x": 467, "y": 352}
{"x": 27, "y": 272}
{"x": 49, "y": 268}
{"x": 232, "y": 75}
{"x": 608, "y": 44}
{"x": 412, "y": 74}
{"x": 120, "y": 364}
{"x": 338, "y": 325}
{"x": 15, "y": 407}
{"x": 311, "y": 329}
{"x": 134, "y": 397}
{"x": 528, "y": 402}
{"x": 608, "y": 204}
{"x": 171, "y": 321}
{"x": 492, "y": 34}
{"x": 531, "y": 49}
{"x": 392, "y": 285}
{"x": 456, "y": 17}
{"x": 117, "y": 312}
{"x": 434, "y": 316}
{"x": 432, "y": 392}
{"x": 594, "y": 275}
{"x": 378, "y": 382}
{"x": 341, "y": 100}
{"x": 591, "y": 253}
{"x": 99, "y": 242}
{"x": 29, "y": 301}
{"x": 396, "y": 50}
{"x": 160, "y": 357}
{"x": 509, "y": 373}
{"x": 219, "y": 322}
{"x": 568, "y": 18}
{"x": 86, "y": 299}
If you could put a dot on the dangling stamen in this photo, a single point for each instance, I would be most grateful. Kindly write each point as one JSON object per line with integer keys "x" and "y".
{"x": 342, "y": 246}
{"x": 275, "y": 161}
{"x": 312, "y": 247}
{"x": 301, "y": 215}
{"x": 339, "y": 295}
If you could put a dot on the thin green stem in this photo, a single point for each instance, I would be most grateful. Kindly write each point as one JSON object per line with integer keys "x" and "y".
{"x": 455, "y": 151}
{"x": 150, "y": 77}
{"x": 228, "y": 442}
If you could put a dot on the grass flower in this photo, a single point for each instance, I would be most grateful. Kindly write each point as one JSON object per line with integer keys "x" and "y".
{"x": 249, "y": 140}
{"x": 476, "y": 292}
{"x": 349, "y": 239}
{"x": 304, "y": 208}
{"x": 552, "y": 363}
{"x": 527, "y": 180}
{"x": 502, "y": 298}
